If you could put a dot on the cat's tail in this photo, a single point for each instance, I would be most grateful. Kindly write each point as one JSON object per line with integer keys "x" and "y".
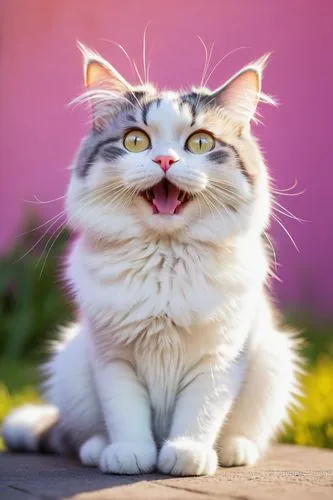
{"x": 32, "y": 428}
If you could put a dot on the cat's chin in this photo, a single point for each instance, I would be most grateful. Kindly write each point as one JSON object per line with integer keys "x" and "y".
{"x": 165, "y": 224}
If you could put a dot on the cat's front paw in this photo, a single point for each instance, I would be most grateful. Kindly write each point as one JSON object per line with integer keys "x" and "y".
{"x": 91, "y": 451}
{"x": 136, "y": 457}
{"x": 187, "y": 457}
{"x": 238, "y": 450}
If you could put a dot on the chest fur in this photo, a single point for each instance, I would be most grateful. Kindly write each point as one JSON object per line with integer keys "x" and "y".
{"x": 130, "y": 286}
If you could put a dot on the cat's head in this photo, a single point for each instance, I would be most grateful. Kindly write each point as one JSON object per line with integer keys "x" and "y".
{"x": 169, "y": 163}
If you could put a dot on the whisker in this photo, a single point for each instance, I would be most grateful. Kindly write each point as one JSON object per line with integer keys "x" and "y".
{"x": 230, "y": 194}
{"x": 220, "y": 61}
{"x": 137, "y": 72}
{"x": 144, "y": 52}
{"x": 39, "y": 239}
{"x": 206, "y": 57}
{"x": 122, "y": 48}
{"x": 225, "y": 208}
{"x": 289, "y": 188}
{"x": 57, "y": 234}
{"x": 286, "y": 231}
{"x": 115, "y": 195}
{"x": 205, "y": 68}
{"x": 207, "y": 202}
{"x": 42, "y": 225}
{"x": 224, "y": 190}
{"x": 58, "y": 231}
{"x": 38, "y": 201}
{"x": 99, "y": 97}
{"x": 148, "y": 70}
{"x": 284, "y": 211}
{"x": 279, "y": 193}
{"x": 206, "y": 196}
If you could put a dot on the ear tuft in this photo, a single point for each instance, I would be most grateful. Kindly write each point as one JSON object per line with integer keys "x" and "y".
{"x": 100, "y": 73}
{"x": 105, "y": 87}
{"x": 241, "y": 94}
{"x": 262, "y": 62}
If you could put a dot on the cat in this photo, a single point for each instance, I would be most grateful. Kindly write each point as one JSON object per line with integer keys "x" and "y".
{"x": 177, "y": 362}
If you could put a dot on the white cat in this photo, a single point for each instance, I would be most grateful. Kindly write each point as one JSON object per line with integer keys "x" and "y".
{"x": 177, "y": 361}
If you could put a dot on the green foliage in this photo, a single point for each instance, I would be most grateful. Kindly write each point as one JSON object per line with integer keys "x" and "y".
{"x": 312, "y": 424}
{"x": 31, "y": 304}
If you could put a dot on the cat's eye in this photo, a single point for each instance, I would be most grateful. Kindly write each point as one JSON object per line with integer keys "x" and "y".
{"x": 200, "y": 143}
{"x": 136, "y": 141}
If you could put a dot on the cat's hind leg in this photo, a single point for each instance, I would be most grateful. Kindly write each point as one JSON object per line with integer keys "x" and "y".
{"x": 72, "y": 414}
{"x": 91, "y": 451}
{"x": 263, "y": 402}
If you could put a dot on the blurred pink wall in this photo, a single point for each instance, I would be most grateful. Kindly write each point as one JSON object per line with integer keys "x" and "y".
{"x": 41, "y": 72}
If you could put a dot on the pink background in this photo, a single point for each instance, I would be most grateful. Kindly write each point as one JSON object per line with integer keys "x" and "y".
{"x": 41, "y": 72}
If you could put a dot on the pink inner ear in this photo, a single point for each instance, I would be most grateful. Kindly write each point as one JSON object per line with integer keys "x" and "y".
{"x": 242, "y": 92}
{"x": 96, "y": 74}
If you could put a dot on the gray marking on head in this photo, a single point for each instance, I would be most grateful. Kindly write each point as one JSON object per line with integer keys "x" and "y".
{"x": 136, "y": 96}
{"x": 219, "y": 156}
{"x": 121, "y": 117}
{"x": 90, "y": 152}
{"x": 131, "y": 118}
{"x": 145, "y": 110}
{"x": 112, "y": 153}
{"x": 146, "y": 107}
{"x": 192, "y": 100}
{"x": 241, "y": 164}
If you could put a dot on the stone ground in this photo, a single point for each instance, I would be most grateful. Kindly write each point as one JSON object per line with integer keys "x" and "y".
{"x": 287, "y": 473}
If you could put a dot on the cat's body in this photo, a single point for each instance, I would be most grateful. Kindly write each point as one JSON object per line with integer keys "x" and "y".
{"x": 176, "y": 355}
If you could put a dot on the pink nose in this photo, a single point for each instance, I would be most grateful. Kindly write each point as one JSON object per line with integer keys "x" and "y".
{"x": 165, "y": 162}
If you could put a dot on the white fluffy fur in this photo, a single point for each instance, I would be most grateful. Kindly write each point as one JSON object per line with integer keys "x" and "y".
{"x": 176, "y": 362}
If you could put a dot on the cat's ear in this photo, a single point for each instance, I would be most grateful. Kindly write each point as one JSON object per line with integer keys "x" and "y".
{"x": 240, "y": 95}
{"x": 103, "y": 83}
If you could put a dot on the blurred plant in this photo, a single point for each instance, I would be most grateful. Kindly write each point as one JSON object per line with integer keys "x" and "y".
{"x": 312, "y": 425}
{"x": 31, "y": 304}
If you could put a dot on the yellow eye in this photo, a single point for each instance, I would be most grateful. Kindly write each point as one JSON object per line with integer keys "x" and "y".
{"x": 200, "y": 143}
{"x": 136, "y": 141}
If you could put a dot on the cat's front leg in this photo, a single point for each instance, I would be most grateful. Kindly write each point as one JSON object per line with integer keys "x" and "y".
{"x": 205, "y": 397}
{"x": 127, "y": 415}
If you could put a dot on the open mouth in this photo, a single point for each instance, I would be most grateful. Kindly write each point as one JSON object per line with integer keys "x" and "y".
{"x": 166, "y": 198}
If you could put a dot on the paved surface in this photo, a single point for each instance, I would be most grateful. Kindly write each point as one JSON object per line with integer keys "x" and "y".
{"x": 288, "y": 473}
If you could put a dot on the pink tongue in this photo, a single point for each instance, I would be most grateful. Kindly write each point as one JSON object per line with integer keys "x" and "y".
{"x": 166, "y": 200}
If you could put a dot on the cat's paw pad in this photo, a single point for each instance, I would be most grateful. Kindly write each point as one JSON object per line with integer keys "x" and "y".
{"x": 91, "y": 451}
{"x": 187, "y": 457}
{"x": 238, "y": 450}
{"x": 128, "y": 458}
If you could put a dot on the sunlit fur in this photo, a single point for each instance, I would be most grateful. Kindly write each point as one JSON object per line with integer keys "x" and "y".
{"x": 176, "y": 362}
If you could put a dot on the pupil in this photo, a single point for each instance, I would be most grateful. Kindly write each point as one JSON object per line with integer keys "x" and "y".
{"x": 135, "y": 140}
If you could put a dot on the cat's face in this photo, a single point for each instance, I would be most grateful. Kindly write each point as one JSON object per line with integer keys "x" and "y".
{"x": 169, "y": 163}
